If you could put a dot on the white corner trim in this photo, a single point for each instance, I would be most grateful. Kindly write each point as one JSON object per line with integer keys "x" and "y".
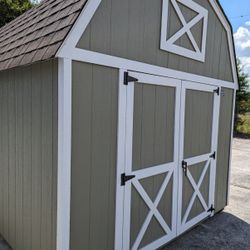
{"x": 80, "y": 26}
{"x": 168, "y": 43}
{"x": 64, "y": 153}
{"x": 231, "y": 148}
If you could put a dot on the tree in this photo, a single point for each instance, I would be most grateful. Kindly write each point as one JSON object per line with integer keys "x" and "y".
{"x": 10, "y": 9}
{"x": 242, "y": 105}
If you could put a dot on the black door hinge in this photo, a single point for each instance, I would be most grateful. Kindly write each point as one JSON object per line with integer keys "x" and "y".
{"x": 125, "y": 178}
{"x": 128, "y": 78}
{"x": 213, "y": 155}
{"x": 217, "y": 91}
{"x": 184, "y": 167}
{"x": 211, "y": 209}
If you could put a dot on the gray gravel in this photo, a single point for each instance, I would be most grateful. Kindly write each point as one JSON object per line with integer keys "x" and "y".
{"x": 229, "y": 230}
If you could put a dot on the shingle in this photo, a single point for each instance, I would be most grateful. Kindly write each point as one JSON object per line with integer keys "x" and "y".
{"x": 38, "y": 33}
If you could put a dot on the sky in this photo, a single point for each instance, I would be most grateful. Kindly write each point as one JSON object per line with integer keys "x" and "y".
{"x": 238, "y": 12}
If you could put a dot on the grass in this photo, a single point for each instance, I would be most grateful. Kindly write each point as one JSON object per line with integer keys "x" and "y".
{"x": 245, "y": 127}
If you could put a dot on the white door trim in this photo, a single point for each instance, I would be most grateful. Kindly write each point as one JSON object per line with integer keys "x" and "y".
{"x": 182, "y": 224}
{"x": 64, "y": 153}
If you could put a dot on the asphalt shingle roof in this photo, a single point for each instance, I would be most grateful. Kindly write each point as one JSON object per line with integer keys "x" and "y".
{"x": 38, "y": 33}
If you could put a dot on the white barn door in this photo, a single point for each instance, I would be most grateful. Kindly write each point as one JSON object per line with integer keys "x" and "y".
{"x": 149, "y": 178}
{"x": 198, "y": 146}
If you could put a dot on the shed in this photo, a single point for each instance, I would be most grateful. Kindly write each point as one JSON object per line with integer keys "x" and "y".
{"x": 115, "y": 122}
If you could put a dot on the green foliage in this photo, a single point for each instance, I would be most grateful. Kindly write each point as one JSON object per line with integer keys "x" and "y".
{"x": 242, "y": 105}
{"x": 10, "y": 9}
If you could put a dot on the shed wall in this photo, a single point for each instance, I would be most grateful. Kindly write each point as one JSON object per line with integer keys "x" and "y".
{"x": 94, "y": 147}
{"x": 224, "y": 143}
{"x": 131, "y": 29}
{"x": 28, "y": 156}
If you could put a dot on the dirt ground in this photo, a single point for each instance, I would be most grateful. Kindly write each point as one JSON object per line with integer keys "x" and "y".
{"x": 229, "y": 230}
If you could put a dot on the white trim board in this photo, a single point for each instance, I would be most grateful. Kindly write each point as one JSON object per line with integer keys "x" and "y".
{"x": 118, "y": 62}
{"x": 68, "y": 50}
{"x": 64, "y": 153}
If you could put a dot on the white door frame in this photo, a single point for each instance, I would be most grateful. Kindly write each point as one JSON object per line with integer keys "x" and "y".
{"x": 182, "y": 224}
{"x": 124, "y": 165}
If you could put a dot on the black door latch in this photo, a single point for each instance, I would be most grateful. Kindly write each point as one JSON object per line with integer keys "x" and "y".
{"x": 125, "y": 178}
{"x": 185, "y": 167}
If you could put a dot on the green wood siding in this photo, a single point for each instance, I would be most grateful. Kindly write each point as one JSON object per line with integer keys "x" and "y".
{"x": 28, "y": 161}
{"x": 223, "y": 156}
{"x": 94, "y": 136}
{"x": 131, "y": 29}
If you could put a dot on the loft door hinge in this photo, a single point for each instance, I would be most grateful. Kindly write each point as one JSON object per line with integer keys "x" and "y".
{"x": 184, "y": 167}
{"x": 217, "y": 91}
{"x": 125, "y": 178}
{"x": 213, "y": 155}
{"x": 128, "y": 78}
{"x": 211, "y": 209}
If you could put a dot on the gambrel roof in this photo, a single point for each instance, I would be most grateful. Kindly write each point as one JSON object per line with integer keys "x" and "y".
{"x": 37, "y": 34}
{"x": 53, "y": 27}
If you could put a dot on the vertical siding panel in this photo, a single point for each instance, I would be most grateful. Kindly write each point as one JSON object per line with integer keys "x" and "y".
{"x": 81, "y": 166}
{"x": 36, "y": 157}
{"x": 100, "y": 157}
{"x": 26, "y": 156}
{"x": 19, "y": 158}
{"x": 119, "y": 27}
{"x": 46, "y": 139}
{"x": 224, "y": 140}
{"x": 27, "y": 160}
{"x": 5, "y": 154}
{"x": 151, "y": 39}
{"x": 12, "y": 158}
{"x": 1, "y": 158}
{"x": 55, "y": 147}
{"x": 136, "y": 28}
{"x": 102, "y": 32}
{"x": 93, "y": 157}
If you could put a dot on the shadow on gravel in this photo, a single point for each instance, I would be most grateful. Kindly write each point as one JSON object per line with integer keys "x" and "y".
{"x": 223, "y": 231}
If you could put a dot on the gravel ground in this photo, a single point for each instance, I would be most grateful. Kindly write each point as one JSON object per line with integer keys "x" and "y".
{"x": 230, "y": 229}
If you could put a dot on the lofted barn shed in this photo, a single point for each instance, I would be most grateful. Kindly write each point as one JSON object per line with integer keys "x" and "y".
{"x": 115, "y": 122}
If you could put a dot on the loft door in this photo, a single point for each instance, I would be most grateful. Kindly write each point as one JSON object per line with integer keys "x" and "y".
{"x": 198, "y": 146}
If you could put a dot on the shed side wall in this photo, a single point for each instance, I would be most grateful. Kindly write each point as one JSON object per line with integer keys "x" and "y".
{"x": 28, "y": 156}
{"x": 132, "y": 30}
{"x": 223, "y": 156}
{"x": 94, "y": 147}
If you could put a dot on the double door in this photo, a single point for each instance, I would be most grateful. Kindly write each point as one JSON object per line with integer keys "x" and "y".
{"x": 167, "y": 141}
